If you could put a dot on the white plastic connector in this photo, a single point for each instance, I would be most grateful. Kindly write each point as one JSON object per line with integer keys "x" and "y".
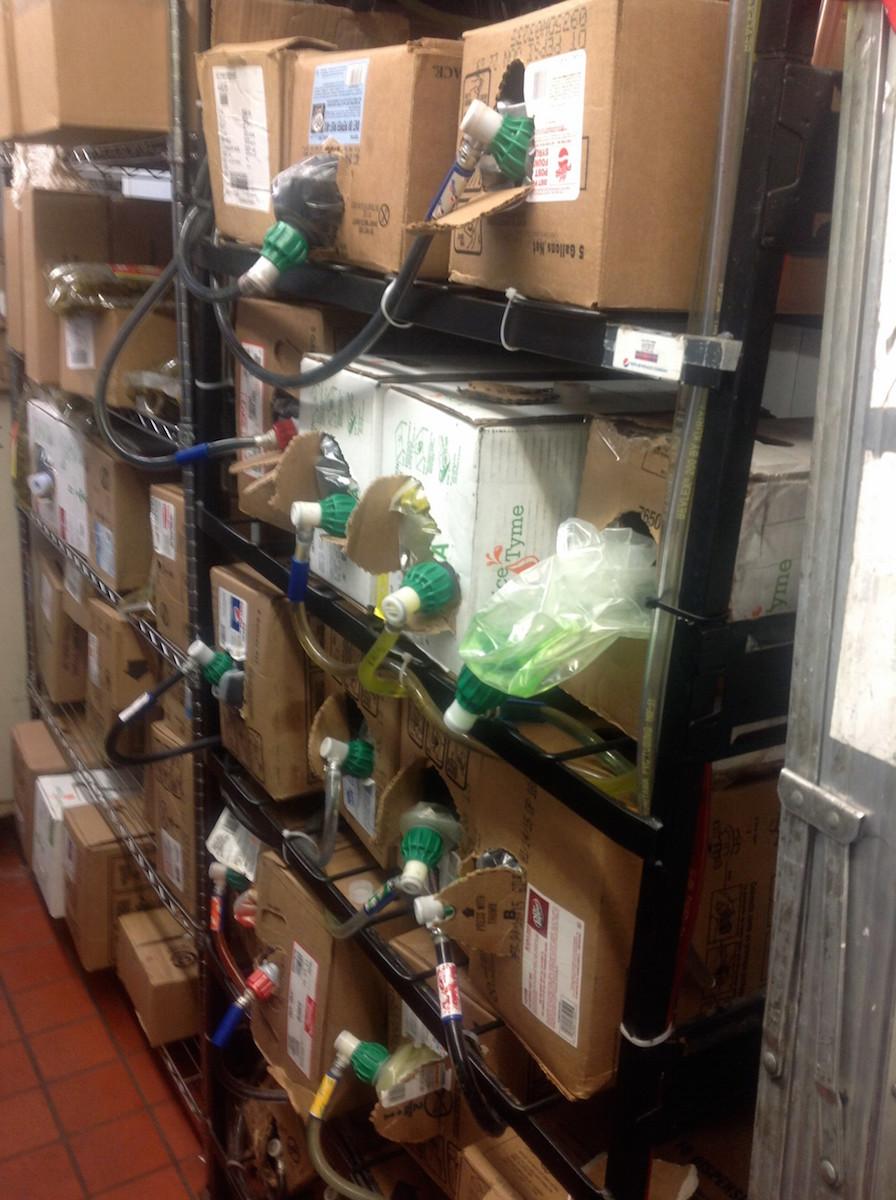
{"x": 481, "y": 122}
{"x": 41, "y": 484}
{"x": 217, "y": 873}
{"x": 458, "y": 719}
{"x": 305, "y": 514}
{"x": 272, "y": 971}
{"x": 428, "y": 910}
{"x": 345, "y": 1045}
{"x": 334, "y": 751}
{"x": 414, "y": 880}
{"x": 260, "y": 279}
{"x": 200, "y": 653}
{"x": 399, "y": 606}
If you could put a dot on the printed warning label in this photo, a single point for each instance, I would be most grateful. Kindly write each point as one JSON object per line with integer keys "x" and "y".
{"x": 553, "y": 944}
{"x": 164, "y": 528}
{"x": 337, "y": 103}
{"x": 233, "y": 615}
{"x": 554, "y": 91}
{"x": 301, "y": 1008}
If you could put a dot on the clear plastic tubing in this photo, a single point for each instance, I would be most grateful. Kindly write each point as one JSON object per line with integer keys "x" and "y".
{"x": 691, "y": 402}
{"x": 368, "y": 669}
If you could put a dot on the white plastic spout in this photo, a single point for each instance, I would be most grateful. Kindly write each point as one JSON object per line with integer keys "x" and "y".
{"x": 399, "y": 606}
{"x": 414, "y": 880}
{"x": 217, "y": 873}
{"x": 260, "y": 279}
{"x": 481, "y": 122}
{"x": 334, "y": 751}
{"x": 200, "y": 653}
{"x": 40, "y": 484}
{"x": 345, "y": 1045}
{"x": 305, "y": 514}
{"x": 272, "y": 971}
{"x": 428, "y": 910}
{"x": 458, "y": 719}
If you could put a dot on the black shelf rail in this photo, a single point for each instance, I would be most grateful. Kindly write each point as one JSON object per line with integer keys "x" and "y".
{"x": 701, "y": 1051}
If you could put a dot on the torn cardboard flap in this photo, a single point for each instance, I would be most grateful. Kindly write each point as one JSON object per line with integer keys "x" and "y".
{"x": 373, "y": 531}
{"x": 488, "y": 906}
{"x": 292, "y": 477}
{"x": 414, "y": 1122}
{"x": 237, "y": 52}
{"x": 485, "y": 205}
{"x": 330, "y": 721}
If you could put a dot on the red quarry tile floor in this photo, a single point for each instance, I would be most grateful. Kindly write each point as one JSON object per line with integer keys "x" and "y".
{"x": 86, "y": 1108}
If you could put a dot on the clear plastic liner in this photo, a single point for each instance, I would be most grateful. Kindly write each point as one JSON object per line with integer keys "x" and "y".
{"x": 333, "y": 474}
{"x": 73, "y": 287}
{"x": 418, "y": 528}
{"x": 554, "y": 619}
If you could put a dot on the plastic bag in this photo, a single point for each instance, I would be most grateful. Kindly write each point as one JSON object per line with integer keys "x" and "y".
{"x": 556, "y": 617}
{"x": 75, "y": 287}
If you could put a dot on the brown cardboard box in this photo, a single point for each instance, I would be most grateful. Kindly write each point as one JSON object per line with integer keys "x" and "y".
{"x": 159, "y": 967}
{"x": 9, "y": 87}
{"x": 733, "y": 922}
{"x": 12, "y": 252}
{"x": 61, "y": 644}
{"x": 277, "y": 336}
{"x": 169, "y": 539}
{"x": 101, "y": 883}
{"x": 269, "y": 735}
{"x": 626, "y": 474}
{"x": 803, "y": 286}
{"x": 393, "y": 112}
{"x": 98, "y": 67}
{"x": 118, "y": 511}
{"x": 621, "y": 177}
{"x": 326, "y": 985}
{"x": 34, "y": 753}
{"x": 261, "y": 20}
{"x": 348, "y": 704}
{"x": 571, "y": 1024}
{"x": 246, "y": 90}
{"x": 177, "y": 708}
{"x": 120, "y": 667}
{"x": 85, "y": 339}
{"x": 721, "y": 1153}
{"x": 169, "y": 789}
{"x": 78, "y": 592}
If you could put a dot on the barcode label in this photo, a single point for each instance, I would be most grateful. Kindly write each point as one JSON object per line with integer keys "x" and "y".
{"x": 80, "y": 349}
{"x": 554, "y": 91}
{"x": 656, "y": 355}
{"x": 414, "y": 1030}
{"x": 172, "y": 858}
{"x": 93, "y": 659}
{"x": 162, "y": 519}
{"x": 538, "y": 82}
{"x": 359, "y": 798}
{"x": 104, "y": 548}
{"x": 553, "y": 948}
{"x": 301, "y": 1008}
{"x": 337, "y": 103}
{"x": 243, "y": 141}
{"x": 354, "y": 74}
{"x": 233, "y": 845}
{"x": 431, "y": 1077}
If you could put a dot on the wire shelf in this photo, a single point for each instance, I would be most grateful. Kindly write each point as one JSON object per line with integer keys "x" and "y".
{"x": 169, "y": 652}
{"x": 183, "y": 1062}
{"x": 118, "y": 792}
{"x": 147, "y": 422}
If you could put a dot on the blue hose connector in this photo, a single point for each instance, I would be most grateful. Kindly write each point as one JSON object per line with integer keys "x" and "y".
{"x": 188, "y": 454}
{"x": 298, "y": 581}
{"x": 229, "y": 1024}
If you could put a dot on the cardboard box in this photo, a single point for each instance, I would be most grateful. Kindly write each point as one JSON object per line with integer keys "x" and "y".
{"x": 53, "y": 794}
{"x": 61, "y": 644}
{"x": 169, "y": 541}
{"x": 566, "y": 1008}
{"x": 721, "y": 1153}
{"x": 34, "y": 753}
{"x": 15, "y": 283}
{"x": 260, "y": 20}
{"x": 169, "y": 789}
{"x": 326, "y": 985}
{"x": 246, "y": 94}
{"x": 85, "y": 340}
{"x": 393, "y": 113}
{"x": 177, "y": 709}
{"x": 102, "y": 882}
{"x": 269, "y": 735}
{"x": 734, "y": 917}
{"x": 121, "y": 85}
{"x": 499, "y": 479}
{"x": 120, "y": 667}
{"x": 621, "y": 181}
{"x": 78, "y": 591}
{"x": 9, "y": 87}
{"x": 626, "y": 473}
{"x": 803, "y": 286}
{"x": 159, "y": 966}
{"x": 58, "y": 447}
{"x": 118, "y": 508}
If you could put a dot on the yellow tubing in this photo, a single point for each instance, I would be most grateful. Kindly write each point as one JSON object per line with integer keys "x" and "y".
{"x": 368, "y": 669}
{"x": 333, "y": 666}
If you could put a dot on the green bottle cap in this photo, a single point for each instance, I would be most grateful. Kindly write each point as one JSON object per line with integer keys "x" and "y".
{"x": 359, "y": 760}
{"x": 218, "y": 665}
{"x": 335, "y": 511}
{"x": 237, "y": 882}
{"x": 511, "y": 147}
{"x": 284, "y": 246}
{"x": 474, "y": 695}
{"x": 368, "y": 1059}
{"x": 435, "y": 583}
{"x": 422, "y": 845}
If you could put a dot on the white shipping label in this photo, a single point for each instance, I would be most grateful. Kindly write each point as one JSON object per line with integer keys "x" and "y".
{"x": 359, "y": 798}
{"x": 337, "y": 103}
{"x": 74, "y": 581}
{"x": 554, "y": 91}
{"x": 864, "y": 711}
{"x": 93, "y": 659}
{"x": 80, "y": 347}
{"x": 553, "y": 945}
{"x": 243, "y": 136}
{"x": 2, "y": 304}
{"x": 431, "y": 1077}
{"x": 162, "y": 518}
{"x": 104, "y": 543}
{"x": 301, "y": 1007}
{"x": 250, "y": 404}
{"x": 233, "y": 615}
{"x": 415, "y": 1031}
{"x": 172, "y": 858}
{"x": 233, "y": 845}
{"x": 643, "y": 352}
{"x": 46, "y": 596}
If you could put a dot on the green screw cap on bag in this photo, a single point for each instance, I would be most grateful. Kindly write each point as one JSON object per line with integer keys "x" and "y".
{"x": 472, "y": 698}
{"x": 217, "y": 666}
{"x": 435, "y": 584}
{"x": 511, "y": 147}
{"x": 368, "y": 1059}
{"x": 335, "y": 511}
{"x": 284, "y": 246}
{"x": 359, "y": 760}
{"x": 422, "y": 845}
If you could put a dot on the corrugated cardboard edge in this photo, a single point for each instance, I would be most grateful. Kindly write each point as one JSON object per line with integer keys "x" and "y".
{"x": 476, "y": 894}
{"x": 485, "y": 205}
{"x": 373, "y": 529}
{"x": 237, "y": 51}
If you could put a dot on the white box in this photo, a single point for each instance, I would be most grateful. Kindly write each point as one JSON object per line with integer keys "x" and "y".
{"x": 53, "y": 794}
{"x": 56, "y": 445}
{"x": 499, "y": 479}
